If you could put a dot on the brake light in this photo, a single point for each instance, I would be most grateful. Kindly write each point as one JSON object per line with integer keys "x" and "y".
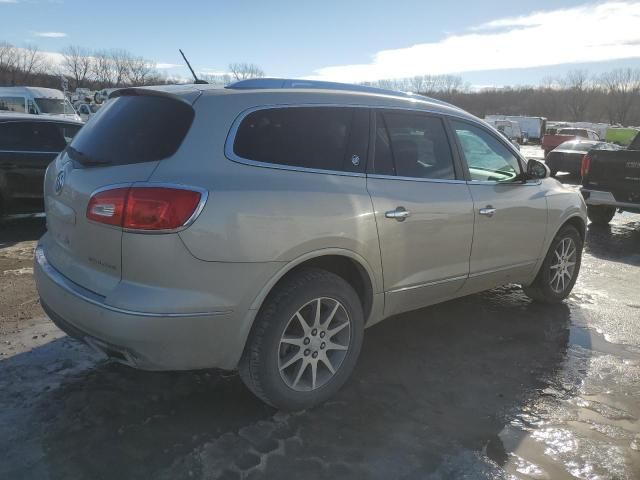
{"x": 144, "y": 208}
{"x": 585, "y": 166}
{"x": 159, "y": 208}
{"x": 107, "y": 206}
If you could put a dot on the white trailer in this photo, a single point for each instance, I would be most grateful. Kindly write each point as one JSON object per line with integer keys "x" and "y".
{"x": 532, "y": 127}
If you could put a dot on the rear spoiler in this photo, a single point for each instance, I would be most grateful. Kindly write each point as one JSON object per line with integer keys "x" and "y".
{"x": 147, "y": 92}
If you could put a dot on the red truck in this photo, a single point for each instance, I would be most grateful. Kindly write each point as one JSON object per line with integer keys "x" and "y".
{"x": 549, "y": 142}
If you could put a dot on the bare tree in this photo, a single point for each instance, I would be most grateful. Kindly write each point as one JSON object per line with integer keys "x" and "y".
{"x": 120, "y": 60}
{"x": 577, "y": 93}
{"x": 243, "y": 71}
{"x": 8, "y": 55}
{"x": 622, "y": 86}
{"x": 76, "y": 63}
{"x": 220, "y": 79}
{"x": 28, "y": 62}
{"x": 102, "y": 70}
{"x": 139, "y": 71}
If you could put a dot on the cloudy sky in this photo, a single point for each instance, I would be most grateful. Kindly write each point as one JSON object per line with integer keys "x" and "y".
{"x": 492, "y": 42}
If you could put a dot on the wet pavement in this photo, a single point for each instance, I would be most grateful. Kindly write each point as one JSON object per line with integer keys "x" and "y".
{"x": 487, "y": 386}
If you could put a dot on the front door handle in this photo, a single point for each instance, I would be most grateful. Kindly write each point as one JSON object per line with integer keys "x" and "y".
{"x": 488, "y": 211}
{"x": 400, "y": 214}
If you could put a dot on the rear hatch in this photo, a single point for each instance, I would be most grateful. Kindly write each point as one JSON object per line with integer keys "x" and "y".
{"x": 617, "y": 172}
{"x": 122, "y": 144}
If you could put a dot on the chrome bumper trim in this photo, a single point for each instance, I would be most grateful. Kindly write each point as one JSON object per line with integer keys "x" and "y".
{"x": 98, "y": 300}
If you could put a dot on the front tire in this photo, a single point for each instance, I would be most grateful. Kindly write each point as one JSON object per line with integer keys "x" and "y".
{"x": 560, "y": 268}
{"x": 305, "y": 341}
{"x": 600, "y": 214}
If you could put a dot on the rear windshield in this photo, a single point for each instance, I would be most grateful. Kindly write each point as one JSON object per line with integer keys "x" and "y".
{"x": 132, "y": 129}
{"x": 577, "y": 146}
{"x": 572, "y": 131}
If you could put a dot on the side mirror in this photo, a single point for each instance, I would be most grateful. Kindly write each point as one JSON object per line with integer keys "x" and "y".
{"x": 537, "y": 169}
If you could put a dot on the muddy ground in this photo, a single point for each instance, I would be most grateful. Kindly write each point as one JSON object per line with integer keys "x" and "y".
{"x": 488, "y": 386}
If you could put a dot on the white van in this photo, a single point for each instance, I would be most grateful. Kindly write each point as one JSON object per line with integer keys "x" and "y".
{"x": 532, "y": 127}
{"x": 508, "y": 128}
{"x": 36, "y": 100}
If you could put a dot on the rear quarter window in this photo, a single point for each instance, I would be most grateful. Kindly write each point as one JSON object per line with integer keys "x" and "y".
{"x": 323, "y": 138}
{"x": 133, "y": 129}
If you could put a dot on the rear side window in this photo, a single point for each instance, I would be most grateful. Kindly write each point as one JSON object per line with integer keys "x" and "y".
{"x": 412, "y": 145}
{"x": 325, "y": 138}
{"x": 32, "y": 137}
{"x": 133, "y": 129}
{"x": 12, "y": 104}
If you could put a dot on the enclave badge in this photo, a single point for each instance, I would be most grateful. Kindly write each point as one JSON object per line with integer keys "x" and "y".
{"x": 60, "y": 182}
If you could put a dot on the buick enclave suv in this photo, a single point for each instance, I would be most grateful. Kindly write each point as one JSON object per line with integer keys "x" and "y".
{"x": 262, "y": 227}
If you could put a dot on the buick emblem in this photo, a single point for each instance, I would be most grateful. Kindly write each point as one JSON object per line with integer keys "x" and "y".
{"x": 60, "y": 182}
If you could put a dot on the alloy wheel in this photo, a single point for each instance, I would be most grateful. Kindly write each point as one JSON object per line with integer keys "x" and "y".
{"x": 314, "y": 344}
{"x": 563, "y": 265}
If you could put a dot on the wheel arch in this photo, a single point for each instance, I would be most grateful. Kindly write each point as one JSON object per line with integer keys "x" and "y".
{"x": 347, "y": 264}
{"x": 575, "y": 221}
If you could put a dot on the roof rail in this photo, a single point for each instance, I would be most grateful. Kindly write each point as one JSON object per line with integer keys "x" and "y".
{"x": 275, "y": 83}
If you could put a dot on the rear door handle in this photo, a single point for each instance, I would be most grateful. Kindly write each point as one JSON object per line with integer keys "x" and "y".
{"x": 400, "y": 214}
{"x": 488, "y": 211}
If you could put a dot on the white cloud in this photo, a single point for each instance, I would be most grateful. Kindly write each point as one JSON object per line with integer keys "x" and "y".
{"x": 165, "y": 66}
{"x": 589, "y": 33}
{"x": 8, "y": 1}
{"x": 50, "y": 34}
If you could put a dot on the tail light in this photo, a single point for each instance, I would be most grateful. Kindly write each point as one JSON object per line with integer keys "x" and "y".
{"x": 146, "y": 207}
{"x": 586, "y": 164}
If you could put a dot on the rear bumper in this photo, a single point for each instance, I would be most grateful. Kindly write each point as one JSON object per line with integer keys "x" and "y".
{"x": 564, "y": 165}
{"x": 597, "y": 197}
{"x": 149, "y": 341}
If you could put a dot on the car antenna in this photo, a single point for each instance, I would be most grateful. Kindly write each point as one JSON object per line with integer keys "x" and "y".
{"x": 195, "y": 77}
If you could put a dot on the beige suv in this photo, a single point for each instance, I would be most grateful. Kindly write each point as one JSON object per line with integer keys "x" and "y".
{"x": 264, "y": 226}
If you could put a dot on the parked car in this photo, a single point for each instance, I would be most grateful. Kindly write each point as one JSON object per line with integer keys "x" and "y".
{"x": 36, "y": 101}
{"x": 28, "y": 144}
{"x": 610, "y": 181}
{"x": 549, "y": 142}
{"x": 87, "y": 110}
{"x": 264, "y": 228}
{"x": 567, "y": 157}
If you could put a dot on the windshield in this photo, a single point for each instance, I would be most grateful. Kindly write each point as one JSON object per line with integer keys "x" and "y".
{"x": 54, "y": 106}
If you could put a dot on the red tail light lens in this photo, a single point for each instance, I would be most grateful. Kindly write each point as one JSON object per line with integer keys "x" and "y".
{"x": 108, "y": 206}
{"x": 144, "y": 208}
{"x": 157, "y": 208}
{"x": 586, "y": 164}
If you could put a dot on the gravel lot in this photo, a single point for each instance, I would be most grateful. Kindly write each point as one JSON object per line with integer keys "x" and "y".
{"x": 488, "y": 386}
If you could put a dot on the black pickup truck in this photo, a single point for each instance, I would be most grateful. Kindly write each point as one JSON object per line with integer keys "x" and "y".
{"x": 611, "y": 181}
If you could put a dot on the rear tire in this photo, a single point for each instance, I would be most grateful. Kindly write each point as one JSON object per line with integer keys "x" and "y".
{"x": 294, "y": 358}
{"x": 600, "y": 214}
{"x": 560, "y": 268}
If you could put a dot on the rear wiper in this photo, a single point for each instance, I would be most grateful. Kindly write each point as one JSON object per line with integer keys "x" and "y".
{"x": 83, "y": 158}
